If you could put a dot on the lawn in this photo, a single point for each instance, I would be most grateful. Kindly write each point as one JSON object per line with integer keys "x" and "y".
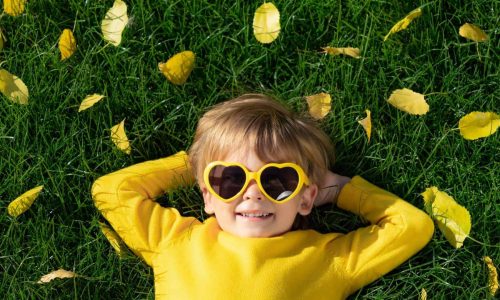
{"x": 48, "y": 142}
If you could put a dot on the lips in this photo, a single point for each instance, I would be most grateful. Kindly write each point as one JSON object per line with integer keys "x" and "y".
{"x": 251, "y": 215}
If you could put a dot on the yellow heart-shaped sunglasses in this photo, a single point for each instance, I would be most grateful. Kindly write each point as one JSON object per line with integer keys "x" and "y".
{"x": 279, "y": 182}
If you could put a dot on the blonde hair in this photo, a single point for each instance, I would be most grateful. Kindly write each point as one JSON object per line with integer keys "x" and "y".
{"x": 259, "y": 122}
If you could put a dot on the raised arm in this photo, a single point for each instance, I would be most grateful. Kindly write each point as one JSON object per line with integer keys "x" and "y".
{"x": 398, "y": 230}
{"x": 126, "y": 200}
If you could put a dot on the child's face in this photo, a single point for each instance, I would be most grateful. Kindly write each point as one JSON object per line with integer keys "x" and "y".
{"x": 252, "y": 214}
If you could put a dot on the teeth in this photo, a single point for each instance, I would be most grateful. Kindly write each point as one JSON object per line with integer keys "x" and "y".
{"x": 254, "y": 215}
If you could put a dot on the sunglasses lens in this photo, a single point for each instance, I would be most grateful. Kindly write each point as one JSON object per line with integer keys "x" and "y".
{"x": 279, "y": 183}
{"x": 226, "y": 181}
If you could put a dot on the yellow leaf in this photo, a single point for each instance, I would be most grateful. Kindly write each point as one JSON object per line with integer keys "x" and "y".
{"x": 402, "y": 24}
{"x": 119, "y": 137}
{"x": 353, "y": 52}
{"x": 423, "y": 294}
{"x": 452, "y": 219}
{"x": 13, "y": 7}
{"x": 89, "y": 101}
{"x": 472, "y": 32}
{"x": 319, "y": 105}
{"x": 114, "y": 23}
{"x": 409, "y": 101}
{"x": 113, "y": 239}
{"x": 478, "y": 125}
{"x": 266, "y": 23}
{"x": 492, "y": 275}
{"x": 61, "y": 273}
{"x": 13, "y": 87}
{"x": 3, "y": 39}
{"x": 178, "y": 67}
{"x": 367, "y": 124}
{"x": 67, "y": 44}
{"x": 23, "y": 202}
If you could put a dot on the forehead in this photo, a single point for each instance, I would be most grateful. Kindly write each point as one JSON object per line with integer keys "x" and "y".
{"x": 246, "y": 157}
{"x": 254, "y": 160}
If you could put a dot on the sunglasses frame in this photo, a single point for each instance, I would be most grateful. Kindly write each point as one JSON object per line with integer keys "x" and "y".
{"x": 303, "y": 179}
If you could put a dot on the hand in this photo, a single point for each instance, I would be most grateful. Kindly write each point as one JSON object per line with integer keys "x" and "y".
{"x": 330, "y": 187}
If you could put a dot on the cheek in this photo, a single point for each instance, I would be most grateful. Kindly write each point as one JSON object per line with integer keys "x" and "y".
{"x": 221, "y": 208}
{"x": 289, "y": 209}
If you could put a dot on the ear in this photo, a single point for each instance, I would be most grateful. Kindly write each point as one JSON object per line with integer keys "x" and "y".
{"x": 308, "y": 196}
{"x": 207, "y": 199}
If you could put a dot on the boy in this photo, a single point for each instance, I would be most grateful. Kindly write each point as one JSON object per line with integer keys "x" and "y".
{"x": 259, "y": 167}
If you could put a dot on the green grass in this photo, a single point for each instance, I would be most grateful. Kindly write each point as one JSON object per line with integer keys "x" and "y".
{"x": 48, "y": 142}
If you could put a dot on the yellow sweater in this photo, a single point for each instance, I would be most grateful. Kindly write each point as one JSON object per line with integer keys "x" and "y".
{"x": 194, "y": 260}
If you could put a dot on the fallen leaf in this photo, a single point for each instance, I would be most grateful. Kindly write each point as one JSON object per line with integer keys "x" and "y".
{"x": 367, "y": 124}
{"x": 67, "y": 44}
{"x": 472, "y": 32}
{"x": 266, "y": 23}
{"x": 23, "y": 202}
{"x": 178, "y": 67}
{"x": 89, "y": 101}
{"x": 61, "y": 273}
{"x": 114, "y": 23}
{"x": 409, "y": 101}
{"x": 478, "y": 124}
{"x": 13, "y": 87}
{"x": 113, "y": 239}
{"x": 353, "y": 52}
{"x": 452, "y": 219}
{"x": 423, "y": 294}
{"x": 319, "y": 105}
{"x": 3, "y": 39}
{"x": 492, "y": 275}
{"x": 13, "y": 7}
{"x": 403, "y": 23}
{"x": 119, "y": 137}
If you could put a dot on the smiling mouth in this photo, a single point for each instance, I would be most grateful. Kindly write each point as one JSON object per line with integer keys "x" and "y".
{"x": 255, "y": 215}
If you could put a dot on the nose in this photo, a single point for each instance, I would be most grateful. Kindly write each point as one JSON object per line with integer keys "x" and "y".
{"x": 253, "y": 192}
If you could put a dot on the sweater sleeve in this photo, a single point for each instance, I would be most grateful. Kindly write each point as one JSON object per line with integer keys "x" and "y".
{"x": 398, "y": 230}
{"x": 126, "y": 200}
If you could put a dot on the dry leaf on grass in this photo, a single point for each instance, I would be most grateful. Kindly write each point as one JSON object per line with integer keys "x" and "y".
{"x": 178, "y": 67}
{"x": 67, "y": 44}
{"x": 23, "y": 202}
{"x": 478, "y": 124}
{"x": 14, "y": 7}
{"x": 423, "y": 294}
{"x": 352, "y": 52}
{"x": 266, "y": 23}
{"x": 452, "y": 219}
{"x": 13, "y": 87}
{"x": 409, "y": 101}
{"x": 119, "y": 137}
{"x": 472, "y": 32}
{"x": 492, "y": 275}
{"x": 319, "y": 105}
{"x": 367, "y": 124}
{"x": 114, "y": 23}
{"x": 61, "y": 273}
{"x": 89, "y": 101}
{"x": 403, "y": 23}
